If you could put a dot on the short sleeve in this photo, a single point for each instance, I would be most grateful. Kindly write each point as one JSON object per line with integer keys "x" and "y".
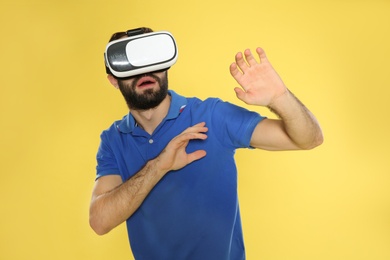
{"x": 106, "y": 162}
{"x": 234, "y": 125}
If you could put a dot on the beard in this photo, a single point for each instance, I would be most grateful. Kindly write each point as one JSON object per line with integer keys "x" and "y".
{"x": 149, "y": 98}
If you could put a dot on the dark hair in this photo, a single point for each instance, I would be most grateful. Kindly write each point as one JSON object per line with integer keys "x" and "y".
{"x": 128, "y": 33}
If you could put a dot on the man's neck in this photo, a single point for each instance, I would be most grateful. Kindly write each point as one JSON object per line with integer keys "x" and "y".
{"x": 151, "y": 118}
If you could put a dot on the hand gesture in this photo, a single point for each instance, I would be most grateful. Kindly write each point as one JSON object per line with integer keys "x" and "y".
{"x": 260, "y": 84}
{"x": 174, "y": 156}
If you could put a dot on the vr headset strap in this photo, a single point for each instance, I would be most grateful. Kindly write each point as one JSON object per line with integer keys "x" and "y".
{"x": 134, "y": 32}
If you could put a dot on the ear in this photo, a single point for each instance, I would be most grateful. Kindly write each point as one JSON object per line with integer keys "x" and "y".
{"x": 113, "y": 81}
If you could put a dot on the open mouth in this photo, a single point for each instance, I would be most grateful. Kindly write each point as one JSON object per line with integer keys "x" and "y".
{"x": 146, "y": 81}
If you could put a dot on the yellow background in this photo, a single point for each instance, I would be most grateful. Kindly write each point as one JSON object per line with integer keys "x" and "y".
{"x": 329, "y": 203}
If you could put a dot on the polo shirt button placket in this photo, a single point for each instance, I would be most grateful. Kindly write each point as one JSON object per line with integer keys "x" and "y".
{"x": 151, "y": 141}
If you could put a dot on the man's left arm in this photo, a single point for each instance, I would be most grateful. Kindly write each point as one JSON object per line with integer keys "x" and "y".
{"x": 297, "y": 127}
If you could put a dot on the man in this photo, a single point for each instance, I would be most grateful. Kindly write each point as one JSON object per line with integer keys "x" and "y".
{"x": 167, "y": 168}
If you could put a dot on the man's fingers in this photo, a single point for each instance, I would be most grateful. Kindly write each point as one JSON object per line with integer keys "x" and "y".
{"x": 249, "y": 57}
{"x": 200, "y": 124}
{"x": 196, "y": 155}
{"x": 239, "y": 93}
{"x": 235, "y": 72}
{"x": 182, "y": 140}
{"x": 189, "y": 136}
{"x": 194, "y": 132}
{"x": 240, "y": 61}
{"x": 198, "y": 128}
{"x": 262, "y": 55}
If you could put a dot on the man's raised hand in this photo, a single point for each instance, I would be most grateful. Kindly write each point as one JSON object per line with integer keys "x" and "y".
{"x": 174, "y": 156}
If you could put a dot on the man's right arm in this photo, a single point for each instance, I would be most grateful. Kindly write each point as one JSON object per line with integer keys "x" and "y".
{"x": 113, "y": 201}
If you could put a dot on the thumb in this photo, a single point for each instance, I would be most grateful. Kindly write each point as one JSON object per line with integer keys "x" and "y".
{"x": 194, "y": 156}
{"x": 241, "y": 94}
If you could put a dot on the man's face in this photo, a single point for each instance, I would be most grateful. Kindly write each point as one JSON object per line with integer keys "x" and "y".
{"x": 145, "y": 91}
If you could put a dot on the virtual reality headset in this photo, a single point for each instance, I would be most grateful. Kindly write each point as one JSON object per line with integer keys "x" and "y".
{"x": 140, "y": 54}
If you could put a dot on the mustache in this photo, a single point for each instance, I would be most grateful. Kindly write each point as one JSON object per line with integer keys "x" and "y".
{"x": 148, "y": 74}
{"x": 138, "y": 77}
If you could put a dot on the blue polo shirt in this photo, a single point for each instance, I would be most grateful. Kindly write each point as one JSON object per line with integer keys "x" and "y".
{"x": 192, "y": 213}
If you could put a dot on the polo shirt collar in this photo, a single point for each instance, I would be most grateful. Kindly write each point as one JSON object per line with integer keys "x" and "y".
{"x": 128, "y": 123}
